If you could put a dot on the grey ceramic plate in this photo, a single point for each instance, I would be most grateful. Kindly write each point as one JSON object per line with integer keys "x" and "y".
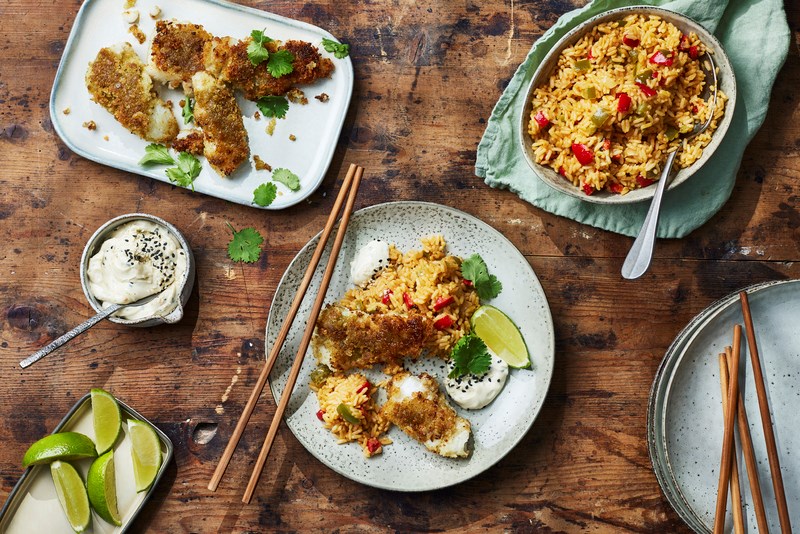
{"x": 406, "y": 465}
{"x": 727, "y": 83}
{"x": 685, "y": 417}
{"x": 32, "y": 506}
{"x": 316, "y": 125}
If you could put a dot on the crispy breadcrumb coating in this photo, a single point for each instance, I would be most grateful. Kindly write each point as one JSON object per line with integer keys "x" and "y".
{"x": 117, "y": 81}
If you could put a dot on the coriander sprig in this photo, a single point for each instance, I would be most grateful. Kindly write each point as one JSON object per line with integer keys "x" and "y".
{"x": 475, "y": 270}
{"x": 470, "y": 355}
{"x": 245, "y": 245}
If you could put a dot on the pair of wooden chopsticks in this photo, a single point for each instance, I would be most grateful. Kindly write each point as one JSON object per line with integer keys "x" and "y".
{"x": 349, "y": 190}
{"x": 733, "y": 404}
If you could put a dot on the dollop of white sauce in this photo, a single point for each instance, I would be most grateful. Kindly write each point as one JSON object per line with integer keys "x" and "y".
{"x": 473, "y": 392}
{"x": 138, "y": 259}
{"x": 368, "y": 261}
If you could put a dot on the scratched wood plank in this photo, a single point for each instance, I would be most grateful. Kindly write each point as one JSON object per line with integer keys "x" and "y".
{"x": 427, "y": 78}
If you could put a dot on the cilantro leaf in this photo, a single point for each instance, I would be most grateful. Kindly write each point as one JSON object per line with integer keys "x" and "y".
{"x": 339, "y": 50}
{"x": 186, "y": 171}
{"x": 155, "y": 154}
{"x": 245, "y": 245}
{"x": 287, "y": 178}
{"x": 475, "y": 270}
{"x": 265, "y": 194}
{"x": 188, "y": 110}
{"x": 469, "y": 356}
{"x": 273, "y": 106}
{"x": 280, "y": 63}
{"x": 256, "y": 51}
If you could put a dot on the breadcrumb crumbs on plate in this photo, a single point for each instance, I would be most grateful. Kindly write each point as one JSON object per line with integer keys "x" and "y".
{"x": 323, "y": 97}
{"x": 297, "y": 96}
{"x": 67, "y": 111}
{"x": 261, "y": 165}
{"x": 270, "y": 129}
{"x": 257, "y": 116}
{"x": 90, "y": 125}
{"x": 292, "y": 137}
{"x": 139, "y": 34}
{"x": 105, "y": 138}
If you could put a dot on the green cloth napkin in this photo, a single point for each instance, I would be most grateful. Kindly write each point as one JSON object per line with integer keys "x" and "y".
{"x": 756, "y": 37}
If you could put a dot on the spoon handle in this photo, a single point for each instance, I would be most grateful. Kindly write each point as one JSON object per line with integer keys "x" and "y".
{"x": 641, "y": 253}
{"x": 81, "y": 328}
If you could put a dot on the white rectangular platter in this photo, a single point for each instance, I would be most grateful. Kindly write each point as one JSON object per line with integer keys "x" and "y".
{"x": 315, "y": 126}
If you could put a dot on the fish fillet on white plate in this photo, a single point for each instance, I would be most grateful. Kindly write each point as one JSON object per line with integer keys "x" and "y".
{"x": 117, "y": 81}
{"x": 419, "y": 408}
{"x": 176, "y": 53}
{"x": 217, "y": 113}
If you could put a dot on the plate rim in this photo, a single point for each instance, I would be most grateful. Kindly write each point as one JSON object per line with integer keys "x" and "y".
{"x": 550, "y": 339}
{"x": 69, "y": 49}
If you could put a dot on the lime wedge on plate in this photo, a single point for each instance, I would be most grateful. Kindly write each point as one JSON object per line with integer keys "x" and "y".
{"x": 146, "y": 453}
{"x": 71, "y": 495}
{"x": 107, "y": 419}
{"x": 102, "y": 488}
{"x": 59, "y": 446}
{"x": 501, "y": 335}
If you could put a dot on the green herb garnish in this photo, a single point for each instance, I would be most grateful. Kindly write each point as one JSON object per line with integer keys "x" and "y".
{"x": 287, "y": 178}
{"x": 475, "y": 270}
{"x": 469, "y": 356}
{"x": 155, "y": 154}
{"x": 187, "y": 169}
{"x": 265, "y": 194}
{"x": 273, "y": 106}
{"x": 339, "y": 50}
{"x": 188, "y": 110}
{"x": 280, "y": 63}
{"x": 256, "y": 51}
{"x": 245, "y": 245}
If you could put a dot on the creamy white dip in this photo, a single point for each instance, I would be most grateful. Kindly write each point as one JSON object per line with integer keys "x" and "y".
{"x": 138, "y": 259}
{"x": 473, "y": 392}
{"x": 368, "y": 261}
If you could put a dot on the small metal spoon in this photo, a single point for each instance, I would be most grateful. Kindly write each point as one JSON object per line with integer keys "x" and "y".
{"x": 80, "y": 329}
{"x": 641, "y": 254}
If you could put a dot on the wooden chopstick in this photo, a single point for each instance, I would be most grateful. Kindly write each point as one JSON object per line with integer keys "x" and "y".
{"x": 727, "y": 438}
{"x": 766, "y": 419}
{"x": 736, "y": 489}
{"x": 287, "y": 324}
{"x": 301, "y": 351}
{"x": 749, "y": 457}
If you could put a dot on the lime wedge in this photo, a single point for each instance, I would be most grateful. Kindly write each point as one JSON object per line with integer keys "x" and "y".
{"x": 107, "y": 419}
{"x": 501, "y": 335}
{"x": 146, "y": 453}
{"x": 59, "y": 446}
{"x": 71, "y": 495}
{"x": 102, "y": 488}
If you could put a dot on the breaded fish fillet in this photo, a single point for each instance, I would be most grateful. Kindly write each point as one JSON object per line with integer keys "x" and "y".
{"x": 227, "y": 59}
{"x": 346, "y": 339}
{"x": 217, "y": 113}
{"x": 419, "y": 408}
{"x": 176, "y": 53}
{"x": 117, "y": 81}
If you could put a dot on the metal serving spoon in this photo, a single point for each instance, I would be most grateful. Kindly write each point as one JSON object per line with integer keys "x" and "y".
{"x": 638, "y": 260}
{"x": 80, "y": 329}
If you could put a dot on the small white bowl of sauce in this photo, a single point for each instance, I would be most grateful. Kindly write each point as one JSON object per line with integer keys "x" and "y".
{"x": 132, "y": 257}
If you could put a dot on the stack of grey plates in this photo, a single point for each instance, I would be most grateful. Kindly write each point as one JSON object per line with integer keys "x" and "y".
{"x": 684, "y": 418}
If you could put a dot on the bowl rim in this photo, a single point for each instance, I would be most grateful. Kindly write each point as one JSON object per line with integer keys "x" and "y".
{"x": 726, "y": 81}
{"x": 186, "y": 282}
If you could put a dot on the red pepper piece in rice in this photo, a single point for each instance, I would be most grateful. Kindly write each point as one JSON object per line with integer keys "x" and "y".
{"x": 582, "y": 153}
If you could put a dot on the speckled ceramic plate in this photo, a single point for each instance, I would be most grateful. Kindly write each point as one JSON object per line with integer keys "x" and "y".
{"x": 686, "y": 406}
{"x": 316, "y": 126}
{"x": 406, "y": 465}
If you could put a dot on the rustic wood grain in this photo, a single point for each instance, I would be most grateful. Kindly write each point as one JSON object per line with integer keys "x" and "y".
{"x": 427, "y": 77}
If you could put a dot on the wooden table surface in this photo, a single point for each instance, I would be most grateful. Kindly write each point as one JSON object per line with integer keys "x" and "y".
{"x": 427, "y": 77}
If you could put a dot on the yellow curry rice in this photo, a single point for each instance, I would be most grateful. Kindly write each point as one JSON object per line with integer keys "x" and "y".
{"x": 424, "y": 280}
{"x": 619, "y": 100}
